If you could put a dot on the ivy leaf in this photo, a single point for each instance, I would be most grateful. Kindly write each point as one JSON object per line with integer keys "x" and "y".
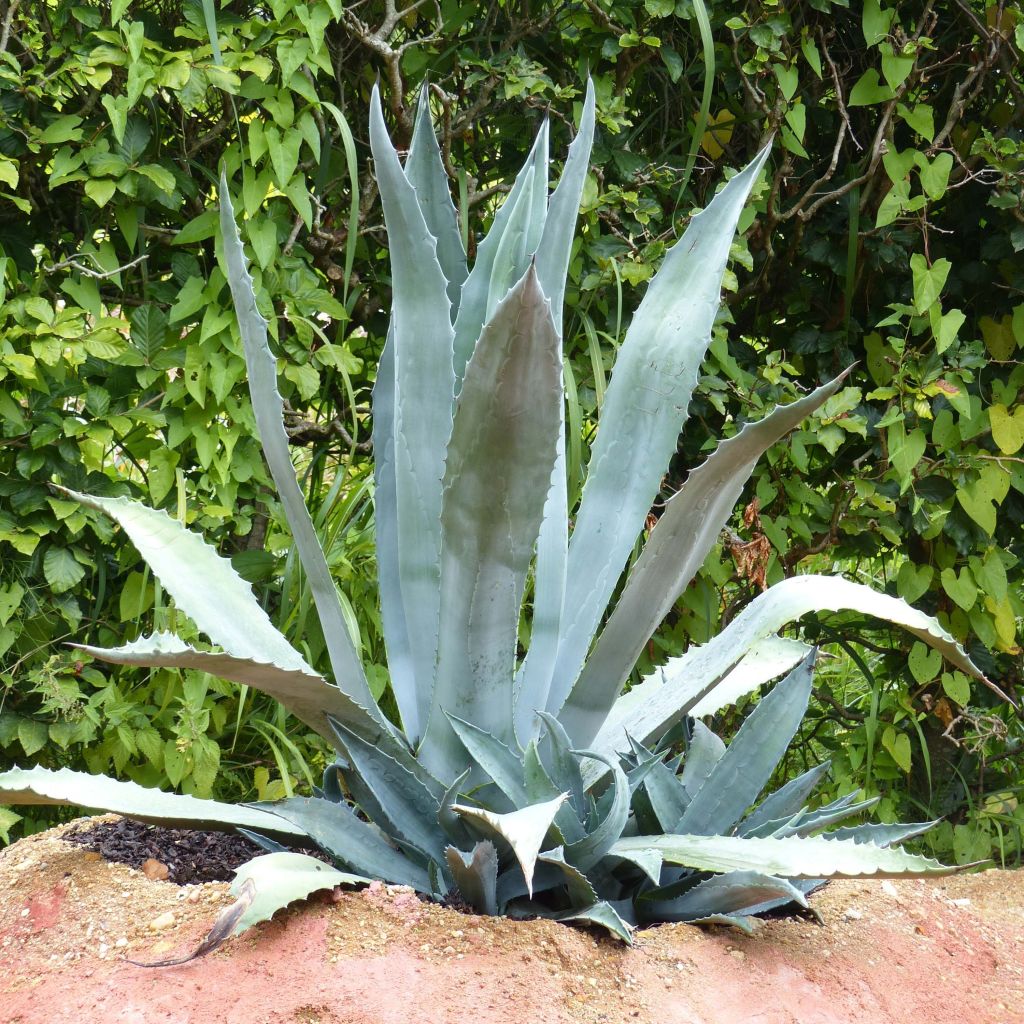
{"x": 869, "y": 90}
{"x": 928, "y": 280}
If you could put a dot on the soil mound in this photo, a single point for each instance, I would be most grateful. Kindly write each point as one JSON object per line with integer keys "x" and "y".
{"x": 949, "y": 951}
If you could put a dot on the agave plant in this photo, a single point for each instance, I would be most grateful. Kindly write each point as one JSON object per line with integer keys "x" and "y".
{"x": 528, "y": 785}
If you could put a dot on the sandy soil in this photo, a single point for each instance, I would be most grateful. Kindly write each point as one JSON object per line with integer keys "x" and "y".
{"x": 941, "y": 952}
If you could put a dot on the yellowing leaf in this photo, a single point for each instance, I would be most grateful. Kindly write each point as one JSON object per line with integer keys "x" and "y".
{"x": 719, "y": 132}
{"x": 1007, "y": 428}
{"x": 998, "y": 335}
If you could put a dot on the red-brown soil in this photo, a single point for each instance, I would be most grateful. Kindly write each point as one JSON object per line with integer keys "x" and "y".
{"x": 940, "y": 952}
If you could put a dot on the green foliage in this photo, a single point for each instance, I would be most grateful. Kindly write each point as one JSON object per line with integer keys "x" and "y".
{"x": 888, "y": 235}
{"x": 550, "y": 817}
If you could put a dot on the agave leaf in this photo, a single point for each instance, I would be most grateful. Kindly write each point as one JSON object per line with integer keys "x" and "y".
{"x": 425, "y": 170}
{"x": 586, "y": 852}
{"x": 336, "y": 829}
{"x": 691, "y": 523}
{"x": 564, "y": 765}
{"x": 603, "y": 914}
{"x": 261, "y": 887}
{"x": 539, "y": 786}
{"x": 721, "y": 895}
{"x": 662, "y": 699}
{"x": 269, "y": 412}
{"x": 533, "y": 680}
{"x": 581, "y": 892}
{"x": 452, "y": 824}
{"x": 283, "y": 878}
{"x": 768, "y": 659}
{"x": 301, "y": 691}
{"x": 401, "y": 669}
{"x": 794, "y": 857}
{"x": 401, "y": 799}
{"x": 523, "y": 830}
{"x": 476, "y": 875}
{"x": 879, "y": 833}
{"x": 66, "y": 788}
{"x": 204, "y": 585}
{"x": 424, "y": 390}
{"x": 512, "y": 256}
{"x": 530, "y": 184}
{"x": 644, "y": 409}
{"x": 496, "y": 475}
{"x": 785, "y": 802}
{"x": 814, "y": 821}
{"x": 497, "y": 759}
{"x": 667, "y": 795}
{"x": 704, "y": 752}
{"x": 745, "y": 768}
{"x": 747, "y": 925}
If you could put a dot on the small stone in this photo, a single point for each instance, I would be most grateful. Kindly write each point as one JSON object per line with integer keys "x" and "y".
{"x": 121, "y": 942}
{"x": 738, "y": 954}
{"x": 194, "y": 896}
{"x": 155, "y": 870}
{"x": 103, "y": 949}
{"x": 165, "y": 920}
{"x": 24, "y": 865}
{"x": 889, "y": 889}
{"x": 852, "y": 914}
{"x": 965, "y": 902}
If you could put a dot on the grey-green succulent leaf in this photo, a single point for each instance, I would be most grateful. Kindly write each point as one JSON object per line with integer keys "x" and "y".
{"x": 301, "y": 691}
{"x": 880, "y": 833}
{"x": 581, "y": 892}
{"x": 794, "y": 857}
{"x": 203, "y": 585}
{"x": 785, "y": 802}
{"x": 476, "y": 875}
{"x": 337, "y": 830}
{"x": 425, "y": 170}
{"x": 721, "y": 895}
{"x": 676, "y": 549}
{"x": 268, "y": 409}
{"x": 524, "y": 830}
{"x": 603, "y": 914}
{"x": 531, "y": 186}
{"x": 533, "y": 680}
{"x": 395, "y": 796}
{"x": 737, "y": 779}
{"x": 67, "y": 788}
{"x": 662, "y": 699}
{"x": 500, "y": 762}
{"x": 497, "y": 471}
{"x": 424, "y": 389}
{"x": 644, "y": 409}
{"x": 703, "y": 753}
{"x": 401, "y": 667}
{"x": 588, "y": 851}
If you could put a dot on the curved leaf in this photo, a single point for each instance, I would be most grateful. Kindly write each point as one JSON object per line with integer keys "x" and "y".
{"x": 644, "y": 409}
{"x": 496, "y": 476}
{"x": 66, "y": 788}
{"x": 731, "y": 894}
{"x": 677, "y": 547}
{"x": 269, "y": 412}
{"x": 476, "y": 875}
{"x": 662, "y": 699}
{"x": 738, "y": 777}
{"x": 794, "y": 857}
{"x": 523, "y": 830}
{"x": 336, "y": 829}
{"x": 424, "y": 389}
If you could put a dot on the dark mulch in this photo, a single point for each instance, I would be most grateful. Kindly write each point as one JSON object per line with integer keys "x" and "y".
{"x": 190, "y": 856}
